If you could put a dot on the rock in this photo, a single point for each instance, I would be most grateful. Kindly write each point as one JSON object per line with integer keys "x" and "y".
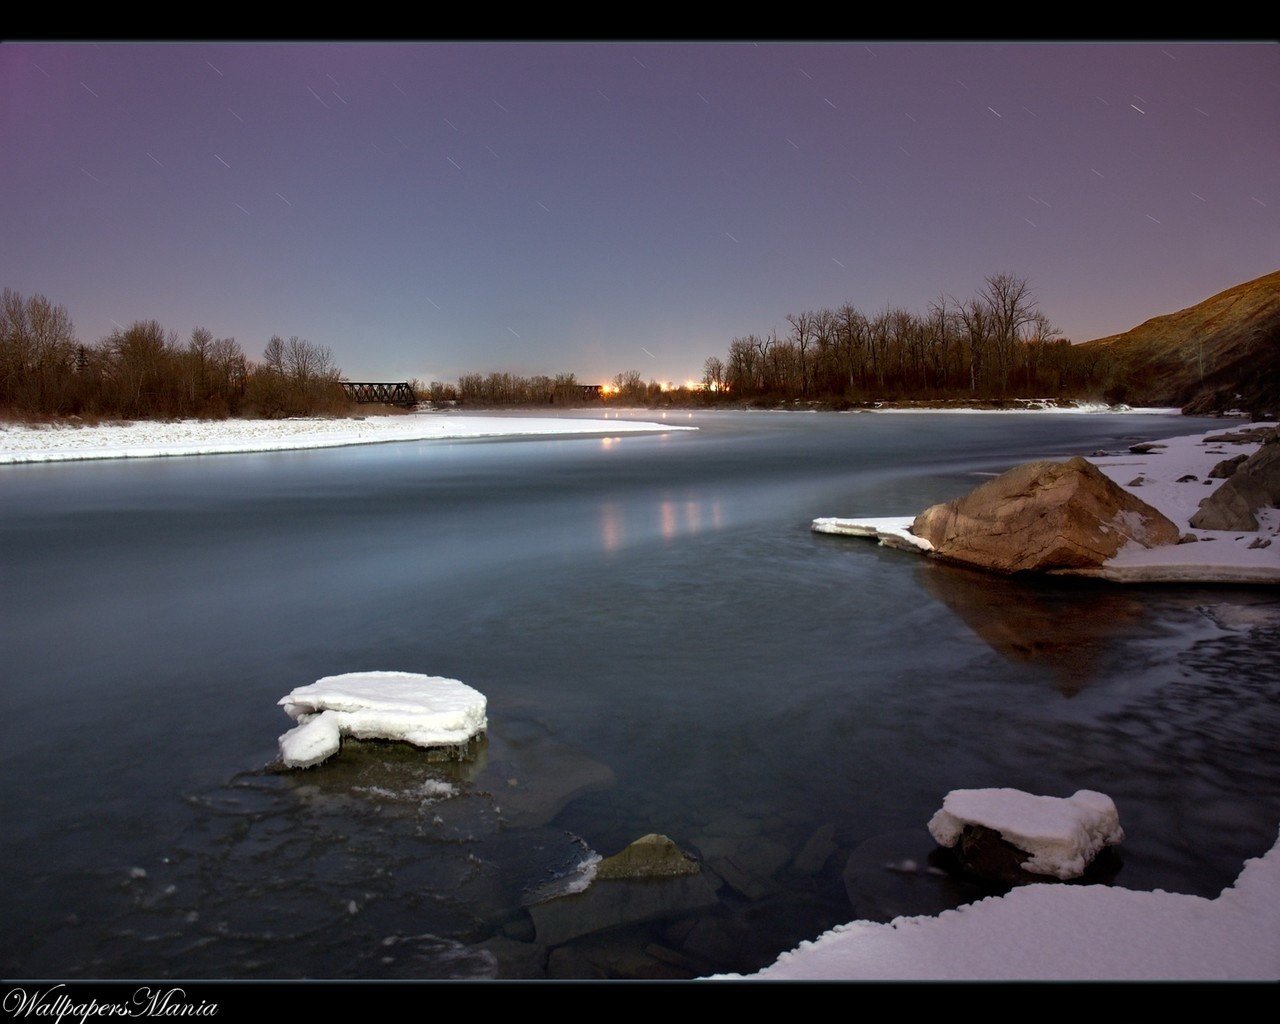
{"x": 1043, "y": 516}
{"x": 516, "y": 959}
{"x": 1226, "y": 467}
{"x": 651, "y": 856}
{"x": 1135, "y": 482}
{"x": 549, "y": 774}
{"x": 1249, "y": 435}
{"x": 1255, "y": 484}
{"x": 1188, "y": 478}
{"x": 880, "y": 890}
{"x": 748, "y": 863}
{"x": 614, "y": 902}
{"x": 622, "y": 955}
{"x": 1259, "y": 542}
{"x": 714, "y": 940}
{"x": 1147, "y": 448}
{"x": 1188, "y": 538}
{"x": 816, "y": 851}
{"x": 982, "y": 853}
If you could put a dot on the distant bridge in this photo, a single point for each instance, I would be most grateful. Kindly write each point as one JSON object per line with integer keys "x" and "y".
{"x": 369, "y": 392}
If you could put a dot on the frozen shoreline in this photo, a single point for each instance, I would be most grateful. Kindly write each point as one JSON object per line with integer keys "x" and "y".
{"x": 145, "y": 439}
{"x": 1063, "y": 932}
{"x": 1172, "y": 476}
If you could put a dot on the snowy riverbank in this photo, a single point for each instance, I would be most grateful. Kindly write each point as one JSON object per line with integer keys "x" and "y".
{"x": 21, "y": 443}
{"x": 1063, "y": 932}
{"x": 1172, "y": 475}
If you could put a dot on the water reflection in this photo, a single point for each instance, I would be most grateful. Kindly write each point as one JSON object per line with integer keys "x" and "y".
{"x": 675, "y": 518}
{"x": 610, "y": 527}
{"x": 1066, "y": 629}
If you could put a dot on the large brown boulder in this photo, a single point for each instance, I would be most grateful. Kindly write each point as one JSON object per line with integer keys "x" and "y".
{"x": 1255, "y": 484}
{"x": 1043, "y": 516}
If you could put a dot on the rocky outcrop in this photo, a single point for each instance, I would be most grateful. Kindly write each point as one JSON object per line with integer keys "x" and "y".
{"x": 1255, "y": 484}
{"x": 1040, "y": 517}
{"x": 651, "y": 856}
{"x": 1226, "y": 467}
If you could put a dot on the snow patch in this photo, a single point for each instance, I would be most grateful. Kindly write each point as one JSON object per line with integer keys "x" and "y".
{"x": 153, "y": 438}
{"x": 427, "y": 711}
{"x": 1061, "y": 835}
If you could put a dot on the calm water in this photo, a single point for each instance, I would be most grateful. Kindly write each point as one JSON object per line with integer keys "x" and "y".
{"x": 666, "y": 647}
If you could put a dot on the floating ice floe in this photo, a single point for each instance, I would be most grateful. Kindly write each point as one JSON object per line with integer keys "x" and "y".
{"x": 1061, "y": 835}
{"x": 427, "y": 711}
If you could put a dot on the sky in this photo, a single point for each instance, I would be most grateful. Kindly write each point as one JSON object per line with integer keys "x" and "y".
{"x": 429, "y": 209}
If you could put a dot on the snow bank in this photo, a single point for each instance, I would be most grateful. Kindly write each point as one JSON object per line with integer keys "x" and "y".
{"x": 427, "y": 711}
{"x": 1063, "y": 932}
{"x": 1043, "y": 406}
{"x": 1218, "y": 556}
{"x": 152, "y": 438}
{"x": 1062, "y": 835}
{"x": 891, "y": 531}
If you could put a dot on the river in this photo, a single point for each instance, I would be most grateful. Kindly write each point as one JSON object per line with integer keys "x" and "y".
{"x": 665, "y": 646}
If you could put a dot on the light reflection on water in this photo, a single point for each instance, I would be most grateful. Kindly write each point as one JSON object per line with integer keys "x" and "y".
{"x": 665, "y": 645}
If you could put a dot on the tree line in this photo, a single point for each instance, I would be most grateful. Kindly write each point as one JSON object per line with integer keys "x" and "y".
{"x": 994, "y": 344}
{"x": 144, "y": 371}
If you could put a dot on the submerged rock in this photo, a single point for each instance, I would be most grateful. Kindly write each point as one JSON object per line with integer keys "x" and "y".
{"x": 816, "y": 851}
{"x": 1043, "y": 516}
{"x": 1255, "y": 484}
{"x": 651, "y": 856}
{"x": 613, "y": 902}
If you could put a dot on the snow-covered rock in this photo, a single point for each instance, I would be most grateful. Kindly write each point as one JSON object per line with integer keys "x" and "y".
{"x": 1063, "y": 932}
{"x": 1060, "y": 836}
{"x": 427, "y": 711}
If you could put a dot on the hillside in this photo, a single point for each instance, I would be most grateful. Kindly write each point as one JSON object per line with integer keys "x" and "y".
{"x": 1204, "y": 356}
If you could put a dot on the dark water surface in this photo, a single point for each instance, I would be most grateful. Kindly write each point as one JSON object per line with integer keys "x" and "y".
{"x": 666, "y": 647}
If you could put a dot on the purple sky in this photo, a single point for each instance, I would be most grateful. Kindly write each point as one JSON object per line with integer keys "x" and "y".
{"x": 426, "y": 209}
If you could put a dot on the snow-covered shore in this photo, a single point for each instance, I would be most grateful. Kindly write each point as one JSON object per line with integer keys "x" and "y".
{"x": 23, "y": 443}
{"x": 1063, "y": 932}
{"x": 1036, "y": 406}
{"x": 1173, "y": 477}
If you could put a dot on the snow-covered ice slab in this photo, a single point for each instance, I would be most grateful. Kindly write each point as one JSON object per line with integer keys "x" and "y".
{"x": 427, "y": 711}
{"x": 1063, "y": 932}
{"x": 1061, "y": 834}
{"x": 891, "y": 531}
{"x": 153, "y": 438}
